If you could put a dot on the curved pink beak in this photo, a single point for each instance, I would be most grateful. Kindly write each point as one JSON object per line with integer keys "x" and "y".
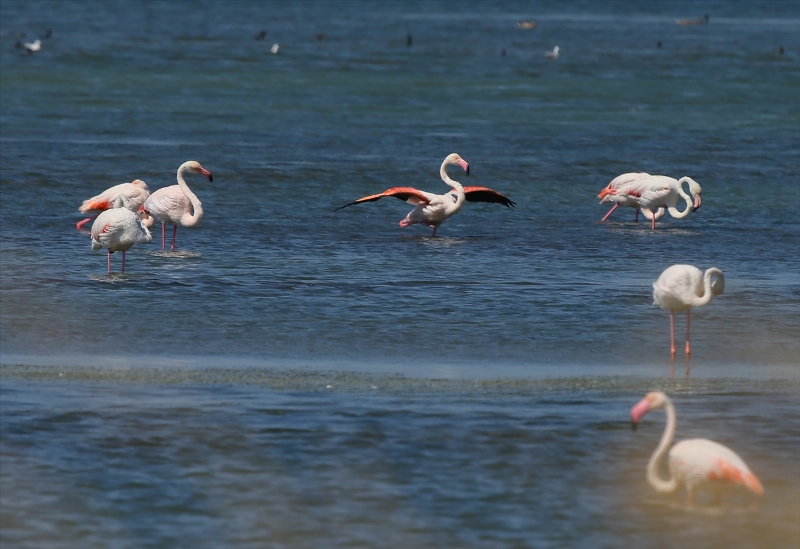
{"x": 463, "y": 164}
{"x": 638, "y": 411}
{"x": 207, "y": 173}
{"x": 697, "y": 202}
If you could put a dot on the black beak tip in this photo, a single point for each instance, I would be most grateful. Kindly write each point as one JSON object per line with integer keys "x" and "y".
{"x": 467, "y": 170}
{"x": 211, "y": 178}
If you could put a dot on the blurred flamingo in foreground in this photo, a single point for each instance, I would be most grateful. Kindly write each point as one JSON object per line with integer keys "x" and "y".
{"x": 118, "y": 229}
{"x": 432, "y": 209}
{"x": 136, "y": 192}
{"x": 681, "y": 287}
{"x": 177, "y": 204}
{"x": 695, "y": 463}
{"x": 625, "y": 200}
{"x": 656, "y": 191}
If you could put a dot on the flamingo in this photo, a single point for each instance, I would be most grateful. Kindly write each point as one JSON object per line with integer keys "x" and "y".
{"x": 136, "y": 192}
{"x": 118, "y": 229}
{"x": 432, "y": 209}
{"x": 657, "y": 191}
{"x": 625, "y": 200}
{"x": 681, "y": 287}
{"x": 695, "y": 463}
{"x": 177, "y": 204}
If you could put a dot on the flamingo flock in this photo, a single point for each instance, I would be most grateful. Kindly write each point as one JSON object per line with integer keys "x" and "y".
{"x": 123, "y": 214}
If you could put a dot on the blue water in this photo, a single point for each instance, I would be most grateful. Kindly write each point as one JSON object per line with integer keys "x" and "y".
{"x": 274, "y": 282}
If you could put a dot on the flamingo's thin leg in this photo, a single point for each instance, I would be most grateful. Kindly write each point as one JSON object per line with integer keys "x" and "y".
{"x": 688, "y": 319}
{"x": 672, "y": 334}
{"x": 163, "y": 237}
{"x": 637, "y": 216}
{"x": 109, "y": 261}
{"x": 434, "y": 231}
{"x": 610, "y": 211}
{"x": 174, "y": 232}
{"x": 123, "y": 262}
{"x": 653, "y": 226}
{"x": 84, "y": 222}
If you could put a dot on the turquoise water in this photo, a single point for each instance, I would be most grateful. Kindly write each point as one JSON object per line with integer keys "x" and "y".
{"x": 274, "y": 282}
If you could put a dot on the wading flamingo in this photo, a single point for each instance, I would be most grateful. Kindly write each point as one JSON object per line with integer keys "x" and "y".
{"x": 136, "y": 192}
{"x": 682, "y": 287}
{"x": 657, "y": 191}
{"x": 432, "y": 209}
{"x": 695, "y": 463}
{"x": 625, "y": 200}
{"x": 177, "y": 204}
{"x": 118, "y": 229}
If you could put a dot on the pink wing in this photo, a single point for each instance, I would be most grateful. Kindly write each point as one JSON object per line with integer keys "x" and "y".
{"x": 409, "y": 194}
{"x": 136, "y": 193}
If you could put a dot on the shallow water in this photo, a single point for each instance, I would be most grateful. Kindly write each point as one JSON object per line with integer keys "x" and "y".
{"x": 538, "y": 320}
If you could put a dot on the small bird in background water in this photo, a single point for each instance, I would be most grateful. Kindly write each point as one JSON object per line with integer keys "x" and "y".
{"x": 118, "y": 229}
{"x": 33, "y": 47}
{"x": 433, "y": 209}
{"x": 552, "y": 54}
{"x": 681, "y": 288}
{"x": 696, "y": 463}
{"x": 275, "y": 48}
{"x": 699, "y": 21}
{"x": 527, "y": 25}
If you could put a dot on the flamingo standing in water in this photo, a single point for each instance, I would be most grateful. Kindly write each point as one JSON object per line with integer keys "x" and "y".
{"x": 657, "y": 191}
{"x": 177, "y": 204}
{"x": 136, "y": 192}
{"x": 695, "y": 463}
{"x": 625, "y": 200}
{"x": 118, "y": 229}
{"x": 432, "y": 209}
{"x": 682, "y": 287}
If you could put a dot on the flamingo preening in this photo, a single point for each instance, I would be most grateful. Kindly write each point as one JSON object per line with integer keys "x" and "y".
{"x": 695, "y": 463}
{"x": 625, "y": 200}
{"x": 682, "y": 287}
{"x": 177, "y": 204}
{"x": 432, "y": 209}
{"x": 136, "y": 192}
{"x": 657, "y": 191}
{"x": 118, "y": 229}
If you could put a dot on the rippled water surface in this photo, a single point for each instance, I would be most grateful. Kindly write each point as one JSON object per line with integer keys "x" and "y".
{"x": 480, "y": 381}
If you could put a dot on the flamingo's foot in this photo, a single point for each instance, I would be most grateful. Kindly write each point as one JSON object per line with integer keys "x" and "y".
{"x": 672, "y": 353}
{"x": 688, "y": 352}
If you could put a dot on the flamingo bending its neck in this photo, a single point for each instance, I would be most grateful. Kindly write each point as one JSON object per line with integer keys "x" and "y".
{"x": 682, "y": 287}
{"x": 623, "y": 199}
{"x": 432, "y": 209}
{"x": 136, "y": 192}
{"x": 695, "y": 463}
{"x": 177, "y": 204}
{"x": 657, "y": 191}
{"x": 118, "y": 229}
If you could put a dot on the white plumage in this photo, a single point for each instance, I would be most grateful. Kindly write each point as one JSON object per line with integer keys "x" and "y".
{"x": 118, "y": 229}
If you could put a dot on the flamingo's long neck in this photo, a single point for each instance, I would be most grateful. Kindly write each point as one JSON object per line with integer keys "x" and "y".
{"x": 710, "y": 290}
{"x": 666, "y": 440}
{"x": 189, "y": 220}
{"x": 673, "y": 211}
{"x": 454, "y": 184}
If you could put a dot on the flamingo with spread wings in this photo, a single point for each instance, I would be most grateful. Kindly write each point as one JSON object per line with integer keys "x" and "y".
{"x": 433, "y": 209}
{"x": 136, "y": 192}
{"x": 695, "y": 463}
